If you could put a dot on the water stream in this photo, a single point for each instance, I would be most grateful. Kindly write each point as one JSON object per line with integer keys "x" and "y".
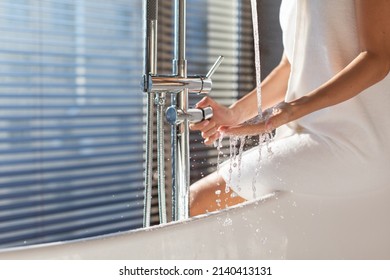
{"x": 256, "y": 39}
{"x": 235, "y": 158}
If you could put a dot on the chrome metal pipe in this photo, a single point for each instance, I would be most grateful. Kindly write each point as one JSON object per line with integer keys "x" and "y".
{"x": 150, "y": 68}
{"x": 194, "y": 84}
{"x": 174, "y": 161}
{"x": 181, "y": 162}
{"x": 160, "y": 103}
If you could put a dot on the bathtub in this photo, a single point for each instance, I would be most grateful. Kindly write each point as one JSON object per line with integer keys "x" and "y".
{"x": 279, "y": 226}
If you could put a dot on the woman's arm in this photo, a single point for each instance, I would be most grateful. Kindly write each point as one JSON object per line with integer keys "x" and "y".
{"x": 369, "y": 67}
{"x": 273, "y": 91}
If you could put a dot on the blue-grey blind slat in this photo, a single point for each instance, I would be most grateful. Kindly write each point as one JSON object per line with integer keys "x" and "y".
{"x": 71, "y": 119}
{"x": 71, "y": 131}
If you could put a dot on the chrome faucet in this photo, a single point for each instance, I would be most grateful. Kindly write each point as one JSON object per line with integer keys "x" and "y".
{"x": 179, "y": 85}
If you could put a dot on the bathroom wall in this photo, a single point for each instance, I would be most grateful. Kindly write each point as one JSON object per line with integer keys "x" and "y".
{"x": 270, "y": 34}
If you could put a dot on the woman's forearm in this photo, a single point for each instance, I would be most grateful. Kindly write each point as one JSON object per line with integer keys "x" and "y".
{"x": 364, "y": 71}
{"x": 370, "y": 66}
{"x": 273, "y": 91}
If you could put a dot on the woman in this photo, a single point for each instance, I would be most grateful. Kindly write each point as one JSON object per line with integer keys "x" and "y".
{"x": 329, "y": 101}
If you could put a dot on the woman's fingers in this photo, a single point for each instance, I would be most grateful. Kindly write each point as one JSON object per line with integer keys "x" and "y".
{"x": 212, "y": 138}
{"x": 272, "y": 118}
{"x": 204, "y": 102}
{"x": 200, "y": 126}
{"x": 208, "y": 133}
{"x": 209, "y": 130}
{"x": 203, "y": 126}
{"x": 243, "y": 130}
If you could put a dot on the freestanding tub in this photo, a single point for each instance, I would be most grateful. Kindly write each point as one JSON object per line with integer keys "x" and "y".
{"x": 281, "y": 226}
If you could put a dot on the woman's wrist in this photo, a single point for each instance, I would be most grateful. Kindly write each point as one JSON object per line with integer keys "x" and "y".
{"x": 299, "y": 108}
{"x": 243, "y": 111}
{"x": 236, "y": 114}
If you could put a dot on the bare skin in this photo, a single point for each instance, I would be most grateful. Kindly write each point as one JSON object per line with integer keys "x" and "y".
{"x": 208, "y": 195}
{"x": 369, "y": 67}
{"x": 203, "y": 192}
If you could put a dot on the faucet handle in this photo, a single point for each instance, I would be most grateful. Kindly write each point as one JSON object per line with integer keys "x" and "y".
{"x": 215, "y": 66}
{"x": 195, "y": 115}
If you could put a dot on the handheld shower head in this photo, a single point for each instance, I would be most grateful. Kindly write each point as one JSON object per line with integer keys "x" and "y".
{"x": 150, "y": 25}
{"x": 151, "y": 10}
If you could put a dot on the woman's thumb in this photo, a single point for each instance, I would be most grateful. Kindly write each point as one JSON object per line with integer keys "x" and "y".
{"x": 206, "y": 101}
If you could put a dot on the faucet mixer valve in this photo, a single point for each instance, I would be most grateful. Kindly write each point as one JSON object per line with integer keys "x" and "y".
{"x": 195, "y": 84}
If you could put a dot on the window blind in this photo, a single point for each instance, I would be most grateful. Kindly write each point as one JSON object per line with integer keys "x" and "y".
{"x": 71, "y": 131}
{"x": 71, "y": 113}
{"x": 229, "y": 33}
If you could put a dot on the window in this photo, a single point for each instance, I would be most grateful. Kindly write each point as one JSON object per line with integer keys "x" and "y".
{"x": 71, "y": 114}
{"x": 71, "y": 131}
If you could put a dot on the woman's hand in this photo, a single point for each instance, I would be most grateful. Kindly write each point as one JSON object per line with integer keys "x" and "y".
{"x": 272, "y": 118}
{"x": 221, "y": 116}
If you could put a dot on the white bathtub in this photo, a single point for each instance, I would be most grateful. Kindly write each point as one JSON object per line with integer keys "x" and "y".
{"x": 282, "y": 226}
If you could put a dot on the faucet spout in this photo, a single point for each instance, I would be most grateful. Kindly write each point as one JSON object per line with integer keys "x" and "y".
{"x": 173, "y": 84}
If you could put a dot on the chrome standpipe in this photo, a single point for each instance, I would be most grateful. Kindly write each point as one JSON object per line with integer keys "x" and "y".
{"x": 150, "y": 68}
{"x": 160, "y": 103}
{"x": 181, "y": 162}
{"x": 178, "y": 115}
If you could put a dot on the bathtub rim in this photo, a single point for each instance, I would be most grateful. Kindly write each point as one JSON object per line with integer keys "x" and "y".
{"x": 198, "y": 218}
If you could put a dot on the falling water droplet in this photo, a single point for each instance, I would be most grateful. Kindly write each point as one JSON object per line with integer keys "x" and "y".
{"x": 227, "y": 222}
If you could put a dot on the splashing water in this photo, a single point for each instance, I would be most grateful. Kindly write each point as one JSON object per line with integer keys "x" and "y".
{"x": 227, "y": 222}
{"x": 232, "y": 161}
{"x": 264, "y": 139}
{"x": 240, "y": 152}
{"x": 235, "y": 160}
{"x": 220, "y": 152}
{"x": 257, "y": 170}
